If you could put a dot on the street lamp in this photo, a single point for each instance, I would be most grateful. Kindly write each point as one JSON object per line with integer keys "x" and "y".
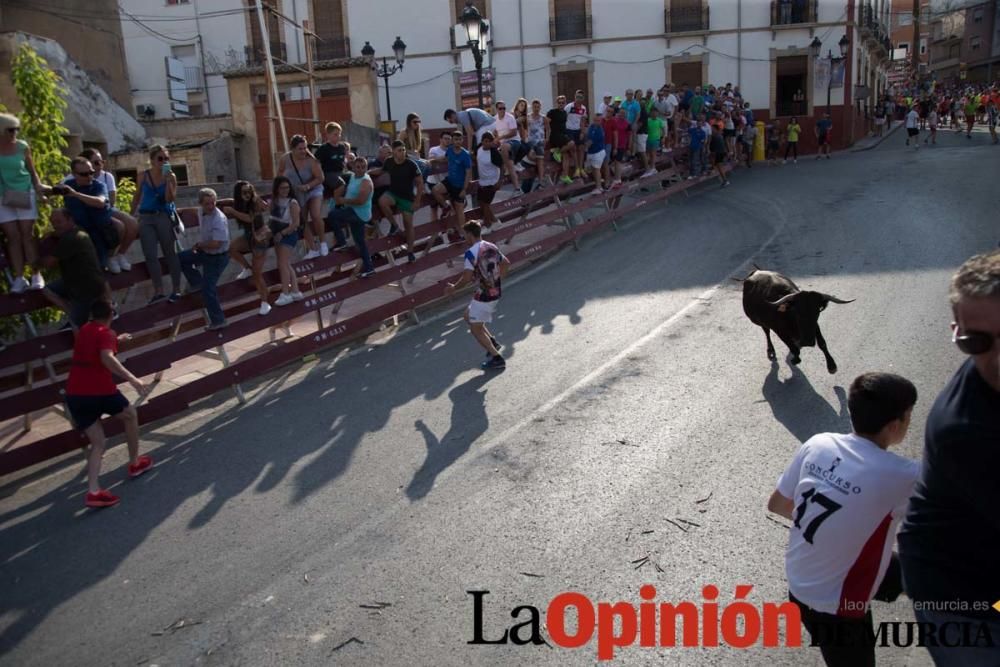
{"x": 816, "y": 46}
{"x": 385, "y": 70}
{"x": 475, "y": 29}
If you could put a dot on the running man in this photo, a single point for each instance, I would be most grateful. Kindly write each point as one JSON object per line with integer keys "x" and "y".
{"x": 91, "y": 393}
{"x": 823, "y": 130}
{"x": 845, "y": 494}
{"x": 912, "y": 129}
{"x": 485, "y": 266}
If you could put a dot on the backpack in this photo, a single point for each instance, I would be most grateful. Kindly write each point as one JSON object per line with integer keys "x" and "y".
{"x": 487, "y": 272}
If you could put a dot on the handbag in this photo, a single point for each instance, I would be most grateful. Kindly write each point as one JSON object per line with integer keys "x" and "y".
{"x": 15, "y": 198}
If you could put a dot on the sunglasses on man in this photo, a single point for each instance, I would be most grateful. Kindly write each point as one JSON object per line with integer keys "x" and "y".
{"x": 83, "y": 173}
{"x": 974, "y": 342}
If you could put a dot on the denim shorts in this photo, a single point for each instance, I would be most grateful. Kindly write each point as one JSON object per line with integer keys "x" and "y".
{"x": 291, "y": 240}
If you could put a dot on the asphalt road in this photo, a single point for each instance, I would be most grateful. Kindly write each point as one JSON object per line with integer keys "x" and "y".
{"x": 361, "y": 496}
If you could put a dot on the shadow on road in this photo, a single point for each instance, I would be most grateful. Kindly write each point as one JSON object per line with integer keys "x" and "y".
{"x": 800, "y": 409}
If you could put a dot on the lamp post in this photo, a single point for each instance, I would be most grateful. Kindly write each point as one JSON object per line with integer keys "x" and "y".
{"x": 385, "y": 70}
{"x": 475, "y": 29}
{"x": 816, "y": 46}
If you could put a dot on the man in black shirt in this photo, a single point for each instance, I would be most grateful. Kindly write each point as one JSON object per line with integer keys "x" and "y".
{"x": 405, "y": 188}
{"x": 557, "y": 139}
{"x": 81, "y": 281}
{"x": 949, "y": 545}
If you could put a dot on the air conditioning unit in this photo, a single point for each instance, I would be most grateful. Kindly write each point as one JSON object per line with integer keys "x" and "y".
{"x": 145, "y": 110}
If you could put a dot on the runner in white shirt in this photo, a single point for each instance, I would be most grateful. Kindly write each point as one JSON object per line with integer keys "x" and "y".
{"x": 912, "y": 127}
{"x": 845, "y": 495}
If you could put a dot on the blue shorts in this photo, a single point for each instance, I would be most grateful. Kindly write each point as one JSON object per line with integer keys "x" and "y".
{"x": 86, "y": 410}
{"x": 290, "y": 240}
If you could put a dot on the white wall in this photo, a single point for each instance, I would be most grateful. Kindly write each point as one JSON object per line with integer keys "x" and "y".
{"x": 633, "y": 54}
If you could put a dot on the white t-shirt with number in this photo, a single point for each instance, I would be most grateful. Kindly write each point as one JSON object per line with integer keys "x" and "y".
{"x": 849, "y": 496}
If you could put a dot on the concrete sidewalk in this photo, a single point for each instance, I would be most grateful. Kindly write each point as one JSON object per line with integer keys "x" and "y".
{"x": 870, "y": 142}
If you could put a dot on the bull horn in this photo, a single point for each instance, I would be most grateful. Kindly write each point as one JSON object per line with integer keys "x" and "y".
{"x": 783, "y": 299}
{"x": 835, "y": 299}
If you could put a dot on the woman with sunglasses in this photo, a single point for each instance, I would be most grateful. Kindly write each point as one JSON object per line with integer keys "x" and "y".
{"x": 246, "y": 206}
{"x": 305, "y": 174}
{"x": 19, "y": 187}
{"x": 415, "y": 142}
{"x": 153, "y": 202}
{"x": 284, "y": 224}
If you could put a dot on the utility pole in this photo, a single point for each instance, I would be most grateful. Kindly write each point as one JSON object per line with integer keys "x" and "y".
{"x": 310, "y": 39}
{"x": 274, "y": 100}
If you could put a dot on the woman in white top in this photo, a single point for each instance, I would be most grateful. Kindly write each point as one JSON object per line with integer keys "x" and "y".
{"x": 304, "y": 172}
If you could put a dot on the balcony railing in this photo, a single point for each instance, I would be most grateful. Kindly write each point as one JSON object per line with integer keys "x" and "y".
{"x": 792, "y": 12}
{"x": 256, "y": 57}
{"x": 332, "y": 48}
{"x": 686, "y": 19}
{"x": 193, "y": 79}
{"x": 569, "y": 27}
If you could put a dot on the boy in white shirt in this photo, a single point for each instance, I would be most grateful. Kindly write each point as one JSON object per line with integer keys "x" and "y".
{"x": 845, "y": 495}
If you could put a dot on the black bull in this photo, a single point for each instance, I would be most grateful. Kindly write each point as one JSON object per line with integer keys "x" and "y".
{"x": 772, "y": 301}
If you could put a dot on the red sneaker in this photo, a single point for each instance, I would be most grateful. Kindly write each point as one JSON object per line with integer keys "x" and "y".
{"x": 101, "y": 499}
{"x": 141, "y": 465}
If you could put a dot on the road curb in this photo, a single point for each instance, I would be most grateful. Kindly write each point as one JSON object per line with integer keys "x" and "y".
{"x": 892, "y": 129}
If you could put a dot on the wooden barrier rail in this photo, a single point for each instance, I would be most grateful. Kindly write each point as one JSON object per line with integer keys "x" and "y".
{"x": 326, "y": 293}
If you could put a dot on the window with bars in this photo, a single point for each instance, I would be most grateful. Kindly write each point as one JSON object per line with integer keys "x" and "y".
{"x": 686, "y": 16}
{"x": 570, "y": 21}
{"x": 328, "y": 22}
{"x": 255, "y": 50}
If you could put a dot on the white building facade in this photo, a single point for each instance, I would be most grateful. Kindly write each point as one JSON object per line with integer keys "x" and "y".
{"x": 538, "y": 48}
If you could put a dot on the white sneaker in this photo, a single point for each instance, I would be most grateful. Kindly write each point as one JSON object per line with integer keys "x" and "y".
{"x": 37, "y": 282}
{"x": 518, "y": 167}
{"x": 114, "y": 266}
{"x": 297, "y": 296}
{"x": 244, "y": 274}
{"x": 284, "y": 299}
{"x": 324, "y": 249}
{"x": 20, "y": 284}
{"x": 312, "y": 254}
{"x": 649, "y": 172}
{"x": 597, "y": 191}
{"x": 264, "y": 309}
{"x": 124, "y": 263}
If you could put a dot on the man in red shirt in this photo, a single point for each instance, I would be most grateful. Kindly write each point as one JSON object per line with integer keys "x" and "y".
{"x": 91, "y": 392}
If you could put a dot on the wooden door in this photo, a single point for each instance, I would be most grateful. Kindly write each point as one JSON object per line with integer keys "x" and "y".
{"x": 567, "y": 83}
{"x": 686, "y": 73}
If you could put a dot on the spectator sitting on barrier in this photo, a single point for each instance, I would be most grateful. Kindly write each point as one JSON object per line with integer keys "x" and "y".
{"x": 211, "y": 252}
{"x": 334, "y": 161}
{"x": 284, "y": 226}
{"x": 489, "y": 161}
{"x": 619, "y": 144}
{"x": 19, "y": 187}
{"x": 451, "y": 190}
{"x": 130, "y": 226}
{"x": 355, "y": 212}
{"x": 154, "y": 202}
{"x": 380, "y": 181}
{"x": 436, "y": 155}
{"x": 91, "y": 392}
{"x": 404, "y": 181}
{"x": 81, "y": 281}
{"x": 508, "y": 141}
{"x": 246, "y": 206}
{"x": 534, "y": 138}
{"x": 593, "y": 142}
{"x": 303, "y": 171}
{"x": 86, "y": 200}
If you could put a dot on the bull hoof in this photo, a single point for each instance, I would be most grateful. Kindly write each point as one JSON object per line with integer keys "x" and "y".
{"x": 795, "y": 361}
{"x": 831, "y": 367}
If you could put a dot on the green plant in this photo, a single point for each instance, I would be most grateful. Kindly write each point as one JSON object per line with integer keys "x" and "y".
{"x": 126, "y": 190}
{"x": 42, "y": 116}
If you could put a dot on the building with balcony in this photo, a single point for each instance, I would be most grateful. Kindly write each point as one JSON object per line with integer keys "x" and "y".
{"x": 963, "y": 44}
{"x": 534, "y": 48}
